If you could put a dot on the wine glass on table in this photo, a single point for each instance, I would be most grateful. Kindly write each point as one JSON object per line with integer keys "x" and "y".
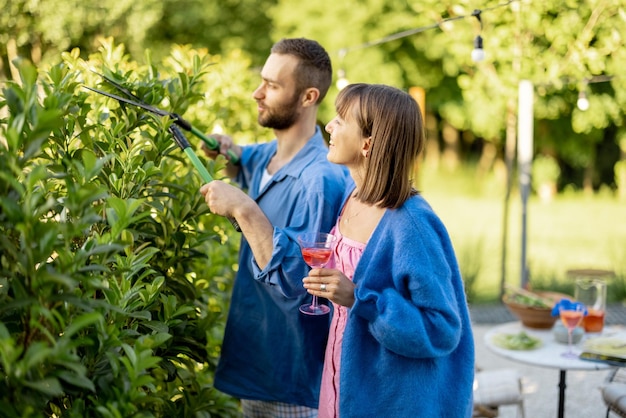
{"x": 571, "y": 315}
{"x": 316, "y": 248}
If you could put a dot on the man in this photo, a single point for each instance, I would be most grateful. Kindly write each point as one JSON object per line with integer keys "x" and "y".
{"x": 272, "y": 354}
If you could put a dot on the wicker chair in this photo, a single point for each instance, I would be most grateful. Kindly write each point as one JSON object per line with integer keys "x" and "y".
{"x": 495, "y": 388}
{"x": 614, "y": 392}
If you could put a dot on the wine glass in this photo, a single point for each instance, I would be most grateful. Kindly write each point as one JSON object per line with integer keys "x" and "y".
{"x": 571, "y": 315}
{"x": 316, "y": 250}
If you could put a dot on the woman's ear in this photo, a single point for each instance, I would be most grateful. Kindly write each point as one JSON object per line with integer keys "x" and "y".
{"x": 365, "y": 150}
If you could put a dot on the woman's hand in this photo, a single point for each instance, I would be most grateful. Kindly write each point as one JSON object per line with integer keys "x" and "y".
{"x": 330, "y": 284}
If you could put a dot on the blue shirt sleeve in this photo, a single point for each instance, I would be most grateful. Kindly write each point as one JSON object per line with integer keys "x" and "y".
{"x": 303, "y": 196}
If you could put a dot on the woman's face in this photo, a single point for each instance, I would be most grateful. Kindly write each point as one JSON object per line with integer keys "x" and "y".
{"x": 347, "y": 145}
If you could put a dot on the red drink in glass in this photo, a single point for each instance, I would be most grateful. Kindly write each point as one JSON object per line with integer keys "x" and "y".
{"x": 316, "y": 248}
{"x": 316, "y": 257}
{"x": 594, "y": 321}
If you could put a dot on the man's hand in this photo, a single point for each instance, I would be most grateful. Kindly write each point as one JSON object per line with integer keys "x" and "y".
{"x": 226, "y": 144}
{"x": 224, "y": 199}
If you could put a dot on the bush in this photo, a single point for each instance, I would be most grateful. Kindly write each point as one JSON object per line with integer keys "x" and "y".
{"x": 114, "y": 279}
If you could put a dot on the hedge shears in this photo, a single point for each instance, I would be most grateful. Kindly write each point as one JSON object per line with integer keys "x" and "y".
{"x": 178, "y": 136}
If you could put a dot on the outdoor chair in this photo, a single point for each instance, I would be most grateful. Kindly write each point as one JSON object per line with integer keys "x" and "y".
{"x": 496, "y": 388}
{"x": 614, "y": 392}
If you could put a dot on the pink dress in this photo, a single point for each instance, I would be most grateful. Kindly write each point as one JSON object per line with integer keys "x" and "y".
{"x": 345, "y": 258}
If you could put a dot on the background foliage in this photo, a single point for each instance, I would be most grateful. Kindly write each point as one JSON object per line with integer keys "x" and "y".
{"x": 563, "y": 47}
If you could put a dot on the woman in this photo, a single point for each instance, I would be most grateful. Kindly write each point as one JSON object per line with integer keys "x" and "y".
{"x": 400, "y": 343}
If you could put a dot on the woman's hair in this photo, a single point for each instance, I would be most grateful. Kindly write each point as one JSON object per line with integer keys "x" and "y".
{"x": 314, "y": 67}
{"x": 393, "y": 120}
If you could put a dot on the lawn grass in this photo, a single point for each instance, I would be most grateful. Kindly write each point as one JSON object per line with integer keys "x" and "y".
{"x": 571, "y": 231}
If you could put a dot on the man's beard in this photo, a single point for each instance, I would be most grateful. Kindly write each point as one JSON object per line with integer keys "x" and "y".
{"x": 283, "y": 116}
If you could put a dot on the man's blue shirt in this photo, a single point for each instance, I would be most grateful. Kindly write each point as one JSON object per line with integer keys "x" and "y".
{"x": 271, "y": 351}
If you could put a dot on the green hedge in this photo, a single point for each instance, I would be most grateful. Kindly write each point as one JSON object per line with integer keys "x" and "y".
{"x": 114, "y": 278}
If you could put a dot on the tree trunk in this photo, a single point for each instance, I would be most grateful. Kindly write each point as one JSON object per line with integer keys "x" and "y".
{"x": 588, "y": 177}
{"x": 431, "y": 151}
{"x": 450, "y": 136}
{"x": 487, "y": 158}
{"x": 11, "y": 55}
{"x": 509, "y": 157}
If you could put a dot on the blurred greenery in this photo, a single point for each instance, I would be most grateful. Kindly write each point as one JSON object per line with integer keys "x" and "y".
{"x": 572, "y": 231}
{"x": 562, "y": 47}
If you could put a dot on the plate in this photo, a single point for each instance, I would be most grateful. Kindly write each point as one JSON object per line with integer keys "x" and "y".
{"x": 519, "y": 341}
{"x": 608, "y": 346}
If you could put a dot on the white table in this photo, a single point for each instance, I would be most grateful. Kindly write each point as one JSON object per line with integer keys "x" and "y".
{"x": 548, "y": 355}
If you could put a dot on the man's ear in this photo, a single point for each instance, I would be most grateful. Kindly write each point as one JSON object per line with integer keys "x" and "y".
{"x": 310, "y": 96}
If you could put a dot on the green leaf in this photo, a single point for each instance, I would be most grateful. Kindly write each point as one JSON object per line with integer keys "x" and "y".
{"x": 81, "y": 322}
{"x": 49, "y": 386}
{"x": 77, "y": 380}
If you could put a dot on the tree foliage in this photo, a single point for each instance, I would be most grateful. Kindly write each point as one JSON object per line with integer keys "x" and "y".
{"x": 562, "y": 47}
{"x": 39, "y": 30}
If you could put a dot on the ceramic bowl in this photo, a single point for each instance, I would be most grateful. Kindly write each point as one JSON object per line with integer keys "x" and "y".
{"x": 534, "y": 317}
{"x": 560, "y": 333}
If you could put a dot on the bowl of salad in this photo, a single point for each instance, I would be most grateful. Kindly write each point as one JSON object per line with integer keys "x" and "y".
{"x": 533, "y": 309}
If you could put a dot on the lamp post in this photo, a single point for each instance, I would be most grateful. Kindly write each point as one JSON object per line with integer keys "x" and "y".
{"x": 524, "y": 161}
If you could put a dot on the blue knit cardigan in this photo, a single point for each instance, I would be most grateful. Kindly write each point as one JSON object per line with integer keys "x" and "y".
{"x": 408, "y": 349}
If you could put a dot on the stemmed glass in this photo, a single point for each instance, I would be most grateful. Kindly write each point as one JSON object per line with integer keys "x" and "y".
{"x": 571, "y": 315}
{"x": 316, "y": 248}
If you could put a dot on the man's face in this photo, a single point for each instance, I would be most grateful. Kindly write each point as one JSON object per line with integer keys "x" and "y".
{"x": 278, "y": 101}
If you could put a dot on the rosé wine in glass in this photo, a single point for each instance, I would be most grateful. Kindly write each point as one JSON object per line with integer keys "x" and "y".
{"x": 316, "y": 248}
{"x": 571, "y": 315}
{"x": 571, "y": 319}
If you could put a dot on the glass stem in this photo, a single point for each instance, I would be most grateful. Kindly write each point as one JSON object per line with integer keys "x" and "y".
{"x": 314, "y": 302}
{"x": 569, "y": 339}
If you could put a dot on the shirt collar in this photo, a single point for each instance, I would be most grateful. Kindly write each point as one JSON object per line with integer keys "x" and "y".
{"x": 303, "y": 157}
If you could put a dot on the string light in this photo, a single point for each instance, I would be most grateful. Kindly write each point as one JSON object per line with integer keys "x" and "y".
{"x": 342, "y": 81}
{"x": 478, "y": 53}
{"x": 583, "y": 102}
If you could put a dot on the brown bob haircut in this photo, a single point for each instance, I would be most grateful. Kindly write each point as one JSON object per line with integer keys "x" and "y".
{"x": 393, "y": 120}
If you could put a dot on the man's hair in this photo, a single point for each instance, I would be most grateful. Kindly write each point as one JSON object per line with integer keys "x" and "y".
{"x": 314, "y": 68}
{"x": 393, "y": 120}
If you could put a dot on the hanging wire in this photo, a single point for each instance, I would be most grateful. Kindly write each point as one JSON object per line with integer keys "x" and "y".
{"x": 478, "y": 53}
{"x": 478, "y": 40}
{"x": 476, "y": 13}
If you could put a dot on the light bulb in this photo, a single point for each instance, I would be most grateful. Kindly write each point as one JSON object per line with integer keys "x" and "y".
{"x": 583, "y": 102}
{"x": 478, "y": 53}
{"x": 342, "y": 81}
